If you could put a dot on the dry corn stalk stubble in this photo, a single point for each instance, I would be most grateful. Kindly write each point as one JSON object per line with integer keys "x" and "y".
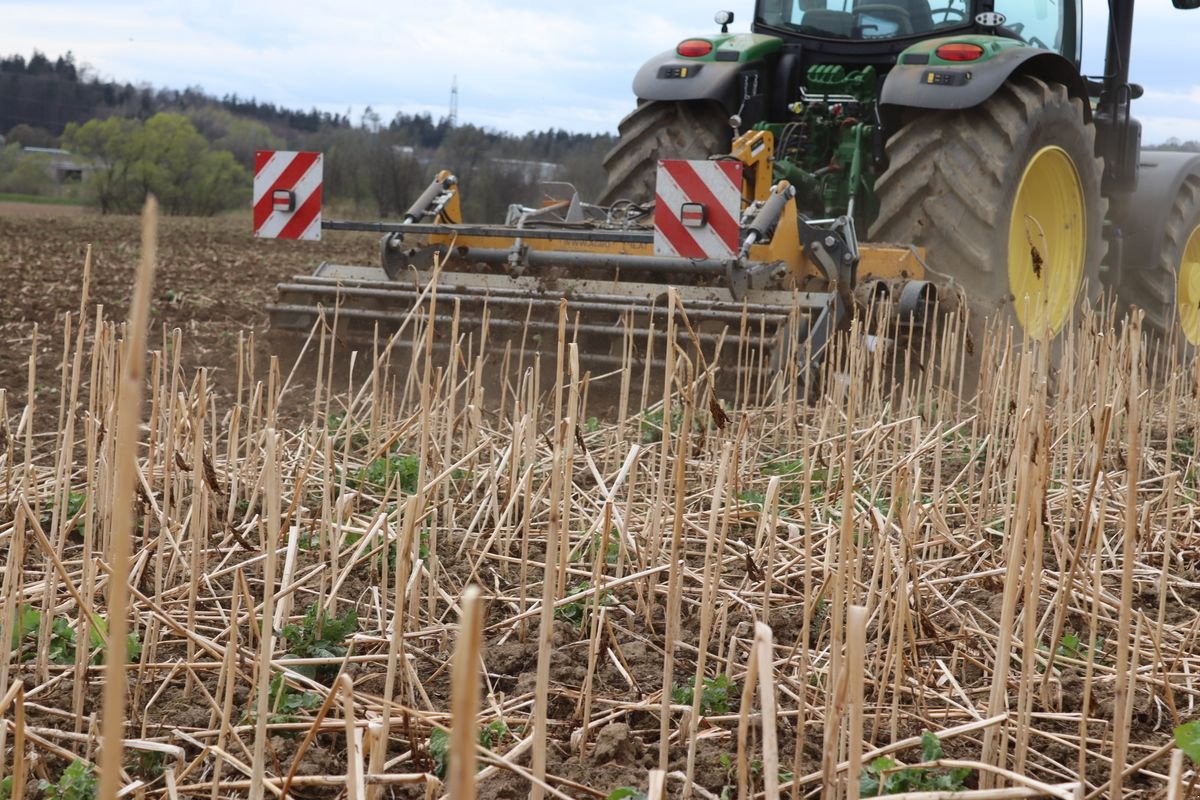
{"x": 980, "y": 550}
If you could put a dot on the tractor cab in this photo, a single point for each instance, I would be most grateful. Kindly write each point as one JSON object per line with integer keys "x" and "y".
{"x": 1045, "y": 24}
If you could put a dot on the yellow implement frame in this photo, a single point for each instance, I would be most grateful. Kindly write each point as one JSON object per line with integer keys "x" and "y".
{"x": 755, "y": 149}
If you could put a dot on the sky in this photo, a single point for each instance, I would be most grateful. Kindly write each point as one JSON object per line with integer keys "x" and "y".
{"x": 520, "y": 65}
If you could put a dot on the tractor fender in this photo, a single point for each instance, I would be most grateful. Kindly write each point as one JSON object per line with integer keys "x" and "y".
{"x": 943, "y": 86}
{"x": 669, "y": 77}
{"x": 1141, "y": 214}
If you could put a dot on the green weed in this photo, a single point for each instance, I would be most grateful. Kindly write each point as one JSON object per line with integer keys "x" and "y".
{"x": 653, "y": 424}
{"x": 286, "y": 701}
{"x": 78, "y": 782}
{"x": 439, "y": 751}
{"x": 337, "y": 427}
{"x": 716, "y": 696}
{"x": 62, "y": 644}
{"x": 490, "y": 736}
{"x": 147, "y": 764}
{"x": 820, "y": 614}
{"x": 885, "y": 776}
{"x": 575, "y": 613}
{"x": 1072, "y": 646}
{"x": 1187, "y": 737}
{"x": 626, "y": 793}
{"x": 319, "y": 636}
{"x": 380, "y": 472}
{"x": 785, "y": 468}
{"x": 753, "y": 499}
{"x": 609, "y": 545}
{"x": 75, "y": 504}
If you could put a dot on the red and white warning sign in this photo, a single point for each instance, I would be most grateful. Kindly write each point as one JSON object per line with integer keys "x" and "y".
{"x": 287, "y": 194}
{"x": 696, "y": 209}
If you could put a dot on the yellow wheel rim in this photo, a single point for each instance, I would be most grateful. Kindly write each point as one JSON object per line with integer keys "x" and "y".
{"x": 1047, "y": 242}
{"x": 1189, "y": 289}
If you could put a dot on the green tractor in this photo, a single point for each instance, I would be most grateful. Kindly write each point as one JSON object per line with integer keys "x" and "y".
{"x": 963, "y": 127}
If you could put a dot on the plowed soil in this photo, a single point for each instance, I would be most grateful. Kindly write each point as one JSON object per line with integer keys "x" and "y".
{"x": 213, "y": 281}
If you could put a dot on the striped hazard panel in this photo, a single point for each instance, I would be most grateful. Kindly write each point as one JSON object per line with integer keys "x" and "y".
{"x": 287, "y": 194}
{"x": 697, "y": 204}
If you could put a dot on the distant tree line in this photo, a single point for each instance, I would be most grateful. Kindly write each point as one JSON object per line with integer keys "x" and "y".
{"x": 1175, "y": 145}
{"x": 49, "y": 94}
{"x": 373, "y": 167}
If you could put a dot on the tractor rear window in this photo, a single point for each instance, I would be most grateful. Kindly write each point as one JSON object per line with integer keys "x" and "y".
{"x": 864, "y": 19}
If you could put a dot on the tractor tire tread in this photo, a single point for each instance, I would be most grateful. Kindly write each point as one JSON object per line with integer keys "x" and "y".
{"x": 944, "y": 188}
{"x": 1153, "y": 288}
{"x": 660, "y": 129}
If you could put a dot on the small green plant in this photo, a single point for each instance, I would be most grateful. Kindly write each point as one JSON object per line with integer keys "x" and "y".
{"x": 592, "y": 425}
{"x": 820, "y": 614}
{"x": 147, "y": 764}
{"x": 610, "y": 545}
{"x": 1187, "y": 738}
{"x": 493, "y": 734}
{"x": 753, "y": 499}
{"x": 61, "y": 648}
{"x": 78, "y": 782}
{"x": 62, "y": 642}
{"x": 26, "y": 624}
{"x": 336, "y": 423}
{"x": 576, "y": 612}
{"x": 785, "y": 468}
{"x": 1072, "y": 646}
{"x": 318, "y": 635}
{"x": 626, "y": 793}
{"x": 885, "y": 776}
{"x": 439, "y": 751}
{"x": 286, "y": 701}
{"x": 653, "y": 424}
{"x": 490, "y": 736}
{"x": 75, "y": 504}
{"x": 716, "y": 695}
{"x": 423, "y": 545}
{"x": 380, "y": 472}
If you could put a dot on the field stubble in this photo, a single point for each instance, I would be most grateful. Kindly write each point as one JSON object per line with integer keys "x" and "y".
{"x": 765, "y": 605}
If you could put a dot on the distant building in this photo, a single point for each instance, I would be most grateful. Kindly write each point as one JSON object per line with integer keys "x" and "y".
{"x": 531, "y": 170}
{"x": 63, "y": 166}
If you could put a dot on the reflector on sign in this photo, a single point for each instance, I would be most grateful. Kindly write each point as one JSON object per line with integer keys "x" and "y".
{"x": 693, "y": 215}
{"x": 285, "y": 200}
{"x": 287, "y": 194}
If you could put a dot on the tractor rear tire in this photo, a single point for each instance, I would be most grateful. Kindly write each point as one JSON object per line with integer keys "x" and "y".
{"x": 661, "y": 129}
{"x": 1005, "y": 198}
{"x": 1168, "y": 292}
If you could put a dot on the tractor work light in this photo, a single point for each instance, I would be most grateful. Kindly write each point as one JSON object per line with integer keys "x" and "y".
{"x": 694, "y": 48}
{"x": 959, "y": 51}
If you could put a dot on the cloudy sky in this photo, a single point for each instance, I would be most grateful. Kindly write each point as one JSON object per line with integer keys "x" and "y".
{"x": 520, "y": 64}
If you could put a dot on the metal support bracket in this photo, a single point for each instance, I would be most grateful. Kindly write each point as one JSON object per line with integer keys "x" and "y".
{"x": 833, "y": 246}
{"x": 757, "y": 226}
